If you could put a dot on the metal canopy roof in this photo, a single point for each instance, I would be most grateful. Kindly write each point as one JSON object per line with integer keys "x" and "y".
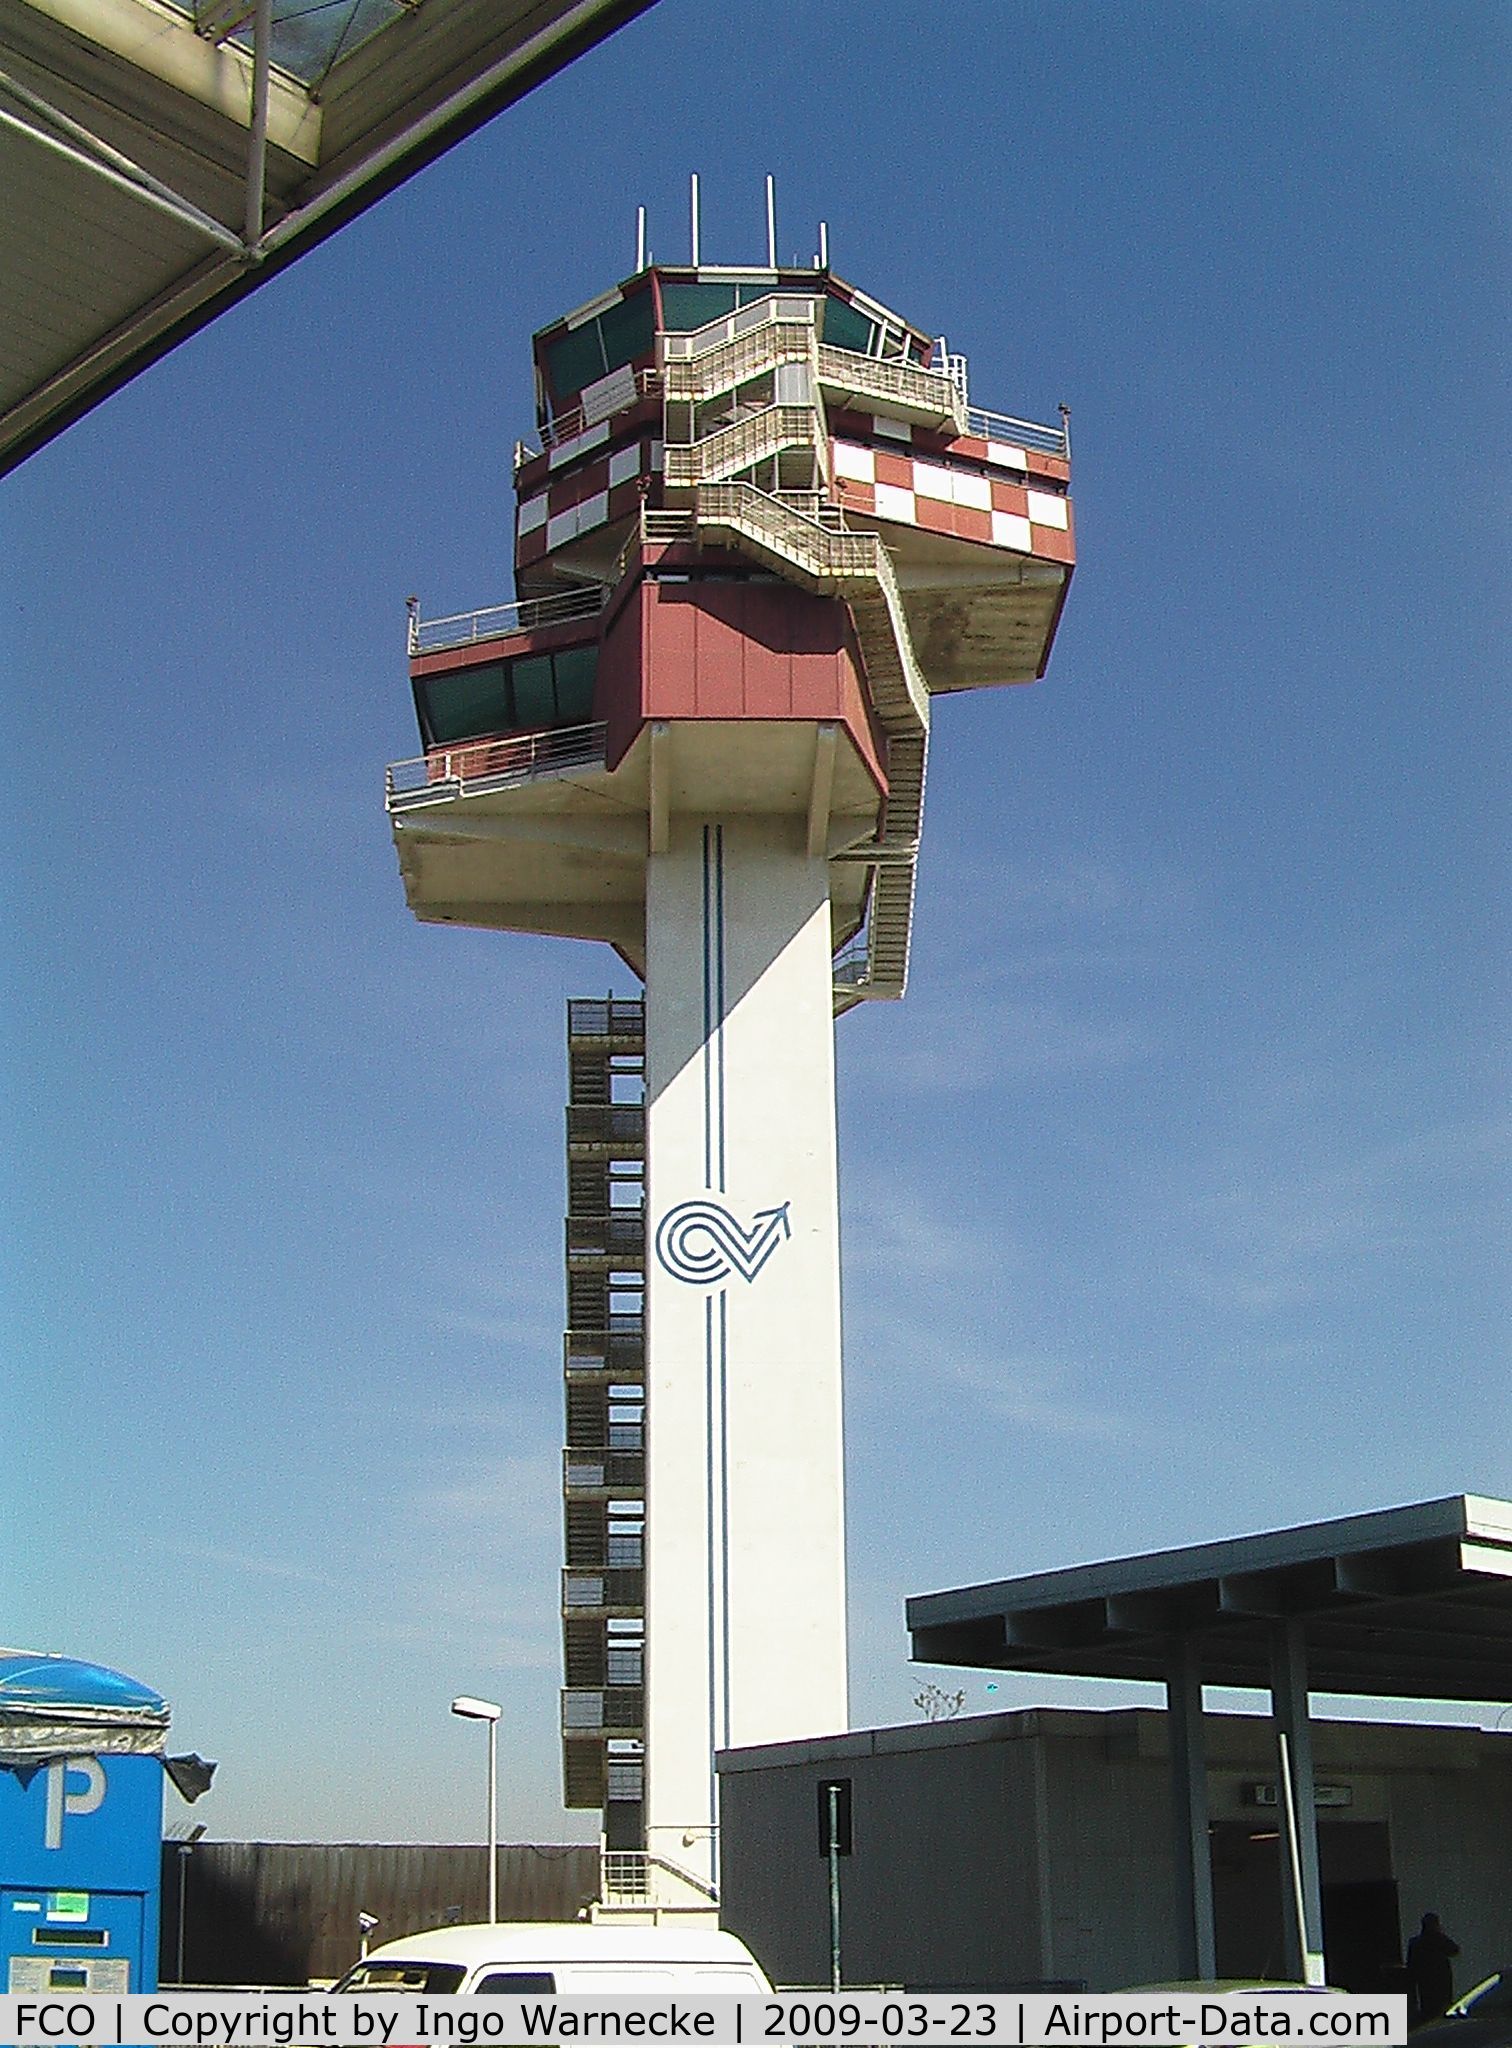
{"x": 159, "y": 161}
{"x": 1414, "y": 1602}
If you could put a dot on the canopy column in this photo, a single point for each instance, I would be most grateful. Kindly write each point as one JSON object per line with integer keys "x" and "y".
{"x": 1196, "y": 1952}
{"x": 1301, "y": 1889}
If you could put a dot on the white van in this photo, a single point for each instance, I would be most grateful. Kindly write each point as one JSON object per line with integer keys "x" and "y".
{"x": 528, "y": 1958}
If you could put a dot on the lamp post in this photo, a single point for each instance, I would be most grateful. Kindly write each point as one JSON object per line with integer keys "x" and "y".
{"x": 185, "y": 1849}
{"x": 470, "y": 1709}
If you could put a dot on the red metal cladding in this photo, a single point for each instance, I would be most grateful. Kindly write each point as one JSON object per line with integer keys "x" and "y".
{"x": 728, "y": 651}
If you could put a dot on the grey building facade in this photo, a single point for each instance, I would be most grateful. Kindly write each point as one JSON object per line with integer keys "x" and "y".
{"x": 1038, "y": 1848}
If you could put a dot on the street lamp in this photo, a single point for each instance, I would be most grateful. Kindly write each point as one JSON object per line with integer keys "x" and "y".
{"x": 184, "y": 1847}
{"x": 470, "y": 1709}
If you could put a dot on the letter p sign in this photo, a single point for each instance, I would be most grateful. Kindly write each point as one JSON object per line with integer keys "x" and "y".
{"x": 86, "y": 1798}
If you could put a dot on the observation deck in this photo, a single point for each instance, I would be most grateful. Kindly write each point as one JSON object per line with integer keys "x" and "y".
{"x": 762, "y": 528}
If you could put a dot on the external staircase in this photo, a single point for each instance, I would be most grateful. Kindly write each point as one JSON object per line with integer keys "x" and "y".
{"x": 755, "y": 351}
{"x": 604, "y": 1459}
{"x": 834, "y": 562}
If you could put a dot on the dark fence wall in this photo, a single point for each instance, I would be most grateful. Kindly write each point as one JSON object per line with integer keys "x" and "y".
{"x": 286, "y": 1912}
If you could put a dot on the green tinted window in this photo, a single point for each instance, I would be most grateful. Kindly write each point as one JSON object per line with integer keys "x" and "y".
{"x": 628, "y": 330}
{"x": 685, "y": 306}
{"x": 534, "y": 701}
{"x": 460, "y": 707}
{"x": 575, "y": 668}
{"x": 575, "y": 360}
{"x": 844, "y": 327}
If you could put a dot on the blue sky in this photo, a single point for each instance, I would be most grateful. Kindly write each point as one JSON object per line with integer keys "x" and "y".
{"x": 1175, "y": 1193}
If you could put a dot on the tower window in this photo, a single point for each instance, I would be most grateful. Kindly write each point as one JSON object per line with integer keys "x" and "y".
{"x": 532, "y": 693}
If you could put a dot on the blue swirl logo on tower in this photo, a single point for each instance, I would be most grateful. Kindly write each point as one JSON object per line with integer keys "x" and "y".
{"x": 702, "y": 1243}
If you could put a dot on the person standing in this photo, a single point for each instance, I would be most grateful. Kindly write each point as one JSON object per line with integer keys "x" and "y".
{"x": 1430, "y": 1970}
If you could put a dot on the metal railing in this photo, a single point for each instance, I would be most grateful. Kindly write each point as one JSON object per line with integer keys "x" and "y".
{"x": 586, "y": 1710}
{"x": 739, "y": 360}
{"x": 606, "y": 1123}
{"x": 659, "y": 525}
{"x": 817, "y": 550}
{"x": 606, "y": 1017}
{"x": 831, "y": 557}
{"x": 784, "y": 306}
{"x": 594, "y": 1351}
{"x": 625, "y": 1874}
{"x": 933, "y": 392}
{"x": 603, "y": 1471}
{"x": 491, "y": 622}
{"x": 476, "y": 766}
{"x": 586, "y": 1588}
{"x": 760, "y": 435}
{"x": 815, "y": 506}
{"x": 1001, "y": 426}
{"x": 624, "y": 1777}
{"x": 615, "y": 1236}
{"x": 584, "y": 1471}
{"x": 566, "y": 426}
{"x": 850, "y": 963}
{"x": 939, "y": 388}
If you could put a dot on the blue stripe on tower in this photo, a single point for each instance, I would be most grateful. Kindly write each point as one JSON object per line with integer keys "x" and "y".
{"x": 712, "y": 1539}
{"x": 708, "y": 1009}
{"x": 724, "y": 1503}
{"x": 719, "y": 989}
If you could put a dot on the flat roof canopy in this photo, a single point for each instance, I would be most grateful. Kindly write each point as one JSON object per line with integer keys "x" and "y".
{"x": 1414, "y": 1602}
{"x": 160, "y": 158}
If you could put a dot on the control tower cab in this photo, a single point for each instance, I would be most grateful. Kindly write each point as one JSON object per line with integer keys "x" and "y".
{"x": 764, "y": 528}
{"x": 765, "y": 525}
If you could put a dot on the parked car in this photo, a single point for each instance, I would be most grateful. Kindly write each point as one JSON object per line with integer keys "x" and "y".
{"x": 1481, "y": 2019}
{"x": 1199, "y": 1988}
{"x": 526, "y": 1959}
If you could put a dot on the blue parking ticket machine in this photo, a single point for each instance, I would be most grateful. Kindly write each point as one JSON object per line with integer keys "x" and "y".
{"x": 81, "y": 1807}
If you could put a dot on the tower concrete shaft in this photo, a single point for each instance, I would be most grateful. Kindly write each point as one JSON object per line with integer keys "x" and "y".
{"x": 763, "y": 530}
{"x": 745, "y": 1545}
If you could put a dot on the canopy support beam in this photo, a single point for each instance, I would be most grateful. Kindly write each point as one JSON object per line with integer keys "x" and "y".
{"x": 81, "y": 146}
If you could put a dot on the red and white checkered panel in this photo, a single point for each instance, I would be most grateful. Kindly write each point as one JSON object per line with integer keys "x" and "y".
{"x": 985, "y": 491}
{"x": 989, "y": 492}
{"x": 571, "y": 500}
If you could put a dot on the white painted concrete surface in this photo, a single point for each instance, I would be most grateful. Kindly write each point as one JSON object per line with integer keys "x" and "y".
{"x": 745, "y": 1551}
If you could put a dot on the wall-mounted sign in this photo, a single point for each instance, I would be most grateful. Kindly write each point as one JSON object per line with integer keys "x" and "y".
{"x": 1268, "y": 1793}
{"x": 703, "y": 1243}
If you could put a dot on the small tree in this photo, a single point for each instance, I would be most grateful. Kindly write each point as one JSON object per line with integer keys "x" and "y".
{"x": 935, "y": 1704}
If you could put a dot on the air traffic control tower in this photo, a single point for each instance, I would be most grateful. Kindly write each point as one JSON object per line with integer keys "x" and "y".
{"x": 764, "y": 530}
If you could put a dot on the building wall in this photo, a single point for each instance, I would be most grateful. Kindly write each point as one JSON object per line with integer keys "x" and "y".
{"x": 1010, "y": 1849}
{"x": 286, "y": 1912}
{"x": 1451, "y": 1831}
{"x": 1111, "y": 1881}
{"x": 926, "y": 1809}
